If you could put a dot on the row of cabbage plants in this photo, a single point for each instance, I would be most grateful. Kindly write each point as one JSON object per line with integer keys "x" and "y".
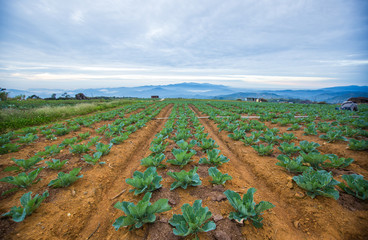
{"x": 14, "y": 140}
{"x": 24, "y": 180}
{"x": 304, "y": 159}
{"x": 187, "y": 133}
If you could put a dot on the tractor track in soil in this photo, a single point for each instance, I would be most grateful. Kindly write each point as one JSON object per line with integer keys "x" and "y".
{"x": 296, "y": 216}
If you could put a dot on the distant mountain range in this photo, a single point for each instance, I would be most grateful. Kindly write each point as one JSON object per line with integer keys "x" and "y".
{"x": 207, "y": 91}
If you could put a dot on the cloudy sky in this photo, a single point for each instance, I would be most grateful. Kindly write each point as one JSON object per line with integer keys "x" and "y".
{"x": 263, "y": 44}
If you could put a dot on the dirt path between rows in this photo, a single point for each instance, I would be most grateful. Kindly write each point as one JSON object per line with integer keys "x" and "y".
{"x": 85, "y": 209}
{"x": 296, "y": 216}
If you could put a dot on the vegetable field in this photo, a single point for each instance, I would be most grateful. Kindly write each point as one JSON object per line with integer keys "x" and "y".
{"x": 179, "y": 169}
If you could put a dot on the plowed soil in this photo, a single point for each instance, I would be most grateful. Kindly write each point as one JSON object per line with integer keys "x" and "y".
{"x": 85, "y": 209}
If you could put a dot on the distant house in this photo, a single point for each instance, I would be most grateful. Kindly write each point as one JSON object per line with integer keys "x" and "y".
{"x": 249, "y": 99}
{"x": 154, "y": 96}
{"x": 359, "y": 99}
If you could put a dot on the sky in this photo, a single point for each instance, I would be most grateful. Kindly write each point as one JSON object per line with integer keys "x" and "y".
{"x": 260, "y": 44}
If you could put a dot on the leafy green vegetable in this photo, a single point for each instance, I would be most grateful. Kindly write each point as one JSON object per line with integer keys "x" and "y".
{"x": 158, "y": 148}
{"x": 184, "y": 134}
{"x": 103, "y": 148}
{"x": 270, "y": 138}
{"x": 294, "y": 127}
{"x": 27, "y": 139}
{"x": 246, "y": 208}
{"x": 93, "y": 159}
{"x": 79, "y": 148}
{"x": 185, "y": 145}
{"x": 193, "y": 220}
{"x": 288, "y": 148}
{"x": 237, "y": 134}
{"x": 310, "y": 129}
{"x": 185, "y": 179}
{"x": 182, "y": 157}
{"x": 65, "y": 179}
{"x": 56, "y": 164}
{"x": 315, "y": 159}
{"x": 148, "y": 181}
{"x": 217, "y": 176}
{"x": 85, "y": 135}
{"x": 357, "y": 145}
{"x": 29, "y": 205}
{"x": 318, "y": 182}
{"x": 337, "y": 162}
{"x": 207, "y": 144}
{"x": 308, "y": 147}
{"x": 288, "y": 137}
{"x": 51, "y": 150}
{"x": 213, "y": 158}
{"x": 28, "y": 163}
{"x": 292, "y": 165}
{"x": 120, "y": 139}
{"x": 9, "y": 147}
{"x": 357, "y": 186}
{"x": 23, "y": 180}
{"x": 143, "y": 212}
{"x": 249, "y": 140}
{"x": 69, "y": 141}
{"x": 94, "y": 140}
{"x": 263, "y": 150}
{"x": 333, "y": 136}
{"x": 154, "y": 161}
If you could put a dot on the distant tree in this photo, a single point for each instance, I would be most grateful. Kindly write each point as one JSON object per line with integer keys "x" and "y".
{"x": 65, "y": 96}
{"x": 80, "y": 96}
{"x": 53, "y": 96}
{"x": 33, "y": 97}
{"x": 3, "y": 94}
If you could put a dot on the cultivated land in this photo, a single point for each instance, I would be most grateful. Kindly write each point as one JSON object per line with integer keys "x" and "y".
{"x": 85, "y": 209}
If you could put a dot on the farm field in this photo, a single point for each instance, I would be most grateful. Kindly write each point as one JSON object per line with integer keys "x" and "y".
{"x": 194, "y": 139}
{"x": 20, "y": 114}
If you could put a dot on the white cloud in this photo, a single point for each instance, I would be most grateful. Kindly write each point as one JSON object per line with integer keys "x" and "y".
{"x": 281, "y": 42}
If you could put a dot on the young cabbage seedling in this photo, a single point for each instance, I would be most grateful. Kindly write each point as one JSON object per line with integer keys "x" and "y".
{"x": 217, "y": 177}
{"x": 213, "y": 158}
{"x": 29, "y": 204}
{"x": 357, "y": 186}
{"x": 185, "y": 179}
{"x": 246, "y": 208}
{"x": 154, "y": 161}
{"x": 148, "y": 181}
{"x": 65, "y": 179}
{"x": 318, "y": 182}
{"x": 143, "y": 212}
{"x": 193, "y": 220}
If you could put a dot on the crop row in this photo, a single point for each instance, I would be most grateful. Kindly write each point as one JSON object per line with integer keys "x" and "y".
{"x": 13, "y": 140}
{"x": 121, "y": 127}
{"x": 305, "y": 158}
{"x": 186, "y": 133}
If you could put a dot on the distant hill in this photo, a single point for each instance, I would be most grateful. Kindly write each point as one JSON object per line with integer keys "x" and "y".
{"x": 206, "y": 91}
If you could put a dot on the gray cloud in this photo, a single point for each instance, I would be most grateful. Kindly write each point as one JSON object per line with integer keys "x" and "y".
{"x": 298, "y": 38}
